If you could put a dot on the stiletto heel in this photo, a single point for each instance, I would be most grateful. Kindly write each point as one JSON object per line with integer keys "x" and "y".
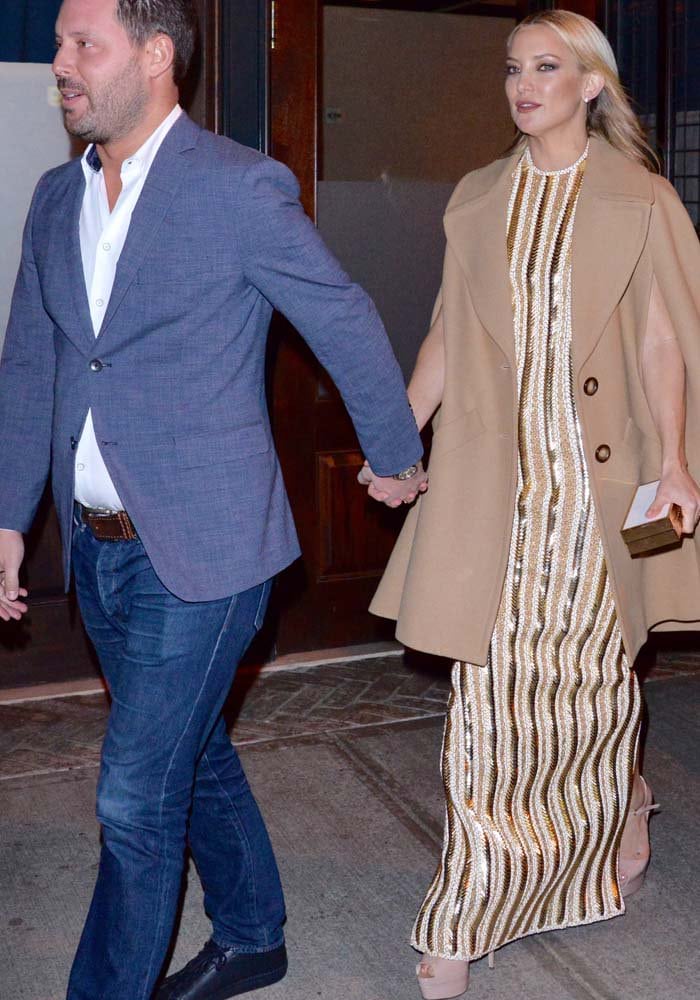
{"x": 632, "y": 866}
{"x": 442, "y": 978}
{"x": 492, "y": 960}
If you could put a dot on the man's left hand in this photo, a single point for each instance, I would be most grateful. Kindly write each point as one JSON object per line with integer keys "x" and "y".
{"x": 393, "y": 492}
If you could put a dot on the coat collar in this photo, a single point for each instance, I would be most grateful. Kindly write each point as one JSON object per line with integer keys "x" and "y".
{"x": 612, "y": 220}
{"x": 161, "y": 186}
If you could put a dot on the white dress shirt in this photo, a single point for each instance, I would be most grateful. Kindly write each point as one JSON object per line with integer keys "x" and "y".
{"x": 102, "y": 237}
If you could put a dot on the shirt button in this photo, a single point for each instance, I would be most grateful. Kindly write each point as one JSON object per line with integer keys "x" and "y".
{"x": 80, "y": 467}
{"x": 106, "y": 246}
{"x": 99, "y": 302}
{"x": 96, "y": 365}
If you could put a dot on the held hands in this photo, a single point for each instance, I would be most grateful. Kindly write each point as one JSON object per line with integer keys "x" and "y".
{"x": 678, "y": 486}
{"x": 393, "y": 492}
{"x": 11, "y": 556}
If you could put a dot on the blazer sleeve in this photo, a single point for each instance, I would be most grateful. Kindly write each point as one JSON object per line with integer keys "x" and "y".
{"x": 27, "y": 371}
{"x": 285, "y": 258}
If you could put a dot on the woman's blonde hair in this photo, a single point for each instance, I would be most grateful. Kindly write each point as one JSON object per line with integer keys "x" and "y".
{"x": 610, "y": 115}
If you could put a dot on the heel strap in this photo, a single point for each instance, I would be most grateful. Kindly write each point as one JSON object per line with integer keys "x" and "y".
{"x": 643, "y": 810}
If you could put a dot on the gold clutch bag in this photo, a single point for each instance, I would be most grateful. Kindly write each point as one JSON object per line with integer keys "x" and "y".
{"x": 642, "y": 535}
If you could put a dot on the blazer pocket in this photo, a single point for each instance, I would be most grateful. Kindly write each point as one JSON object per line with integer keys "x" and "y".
{"x": 200, "y": 450}
{"x": 457, "y": 432}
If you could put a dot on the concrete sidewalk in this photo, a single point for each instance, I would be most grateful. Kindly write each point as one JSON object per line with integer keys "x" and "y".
{"x": 350, "y": 788}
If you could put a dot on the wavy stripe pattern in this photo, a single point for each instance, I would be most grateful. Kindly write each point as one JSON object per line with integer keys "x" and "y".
{"x": 539, "y": 744}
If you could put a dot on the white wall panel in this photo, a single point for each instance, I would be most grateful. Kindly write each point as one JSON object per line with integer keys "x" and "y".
{"x": 32, "y": 139}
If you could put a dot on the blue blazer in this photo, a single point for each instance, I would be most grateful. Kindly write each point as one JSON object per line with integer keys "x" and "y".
{"x": 217, "y": 240}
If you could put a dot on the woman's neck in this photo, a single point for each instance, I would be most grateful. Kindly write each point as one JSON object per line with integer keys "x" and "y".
{"x": 556, "y": 152}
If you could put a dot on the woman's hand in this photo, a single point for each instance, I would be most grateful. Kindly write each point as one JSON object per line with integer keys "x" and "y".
{"x": 678, "y": 486}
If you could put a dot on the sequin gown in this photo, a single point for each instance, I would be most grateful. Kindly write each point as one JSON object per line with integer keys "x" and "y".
{"x": 539, "y": 743}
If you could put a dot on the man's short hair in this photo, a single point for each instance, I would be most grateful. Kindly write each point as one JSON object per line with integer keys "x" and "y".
{"x": 142, "y": 19}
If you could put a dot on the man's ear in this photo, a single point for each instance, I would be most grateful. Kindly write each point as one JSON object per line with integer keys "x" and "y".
{"x": 161, "y": 55}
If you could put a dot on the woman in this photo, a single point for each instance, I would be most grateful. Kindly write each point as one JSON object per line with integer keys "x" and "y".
{"x": 568, "y": 316}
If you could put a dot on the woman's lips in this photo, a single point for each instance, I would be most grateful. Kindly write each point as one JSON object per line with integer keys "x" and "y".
{"x": 524, "y": 106}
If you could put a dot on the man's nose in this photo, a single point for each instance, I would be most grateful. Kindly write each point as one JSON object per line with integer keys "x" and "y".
{"x": 62, "y": 64}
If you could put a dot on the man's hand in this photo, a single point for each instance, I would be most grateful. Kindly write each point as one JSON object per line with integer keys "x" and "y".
{"x": 393, "y": 492}
{"x": 11, "y": 556}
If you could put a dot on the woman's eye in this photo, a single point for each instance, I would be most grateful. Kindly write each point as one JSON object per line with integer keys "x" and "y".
{"x": 510, "y": 70}
{"x": 547, "y": 66}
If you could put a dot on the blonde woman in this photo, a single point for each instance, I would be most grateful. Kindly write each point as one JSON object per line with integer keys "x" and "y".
{"x": 565, "y": 334}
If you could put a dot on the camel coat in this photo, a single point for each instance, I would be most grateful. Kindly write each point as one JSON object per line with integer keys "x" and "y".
{"x": 444, "y": 580}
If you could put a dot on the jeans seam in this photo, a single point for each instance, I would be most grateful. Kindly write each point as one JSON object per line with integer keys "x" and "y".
{"x": 241, "y": 827}
{"x": 161, "y": 886}
{"x": 112, "y": 613}
{"x": 263, "y": 595}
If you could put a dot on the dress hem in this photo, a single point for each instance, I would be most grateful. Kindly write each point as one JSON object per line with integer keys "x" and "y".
{"x": 462, "y": 957}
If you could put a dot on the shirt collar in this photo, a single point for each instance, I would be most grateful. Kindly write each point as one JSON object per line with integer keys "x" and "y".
{"x": 143, "y": 158}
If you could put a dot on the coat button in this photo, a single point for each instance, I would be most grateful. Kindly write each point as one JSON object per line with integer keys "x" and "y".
{"x": 602, "y": 453}
{"x": 590, "y": 386}
{"x": 96, "y": 365}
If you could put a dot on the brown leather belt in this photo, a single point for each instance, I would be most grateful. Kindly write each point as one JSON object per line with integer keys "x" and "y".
{"x": 116, "y": 527}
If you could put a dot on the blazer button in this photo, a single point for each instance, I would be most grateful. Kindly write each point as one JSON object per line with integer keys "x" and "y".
{"x": 96, "y": 365}
{"x": 590, "y": 386}
{"x": 602, "y": 453}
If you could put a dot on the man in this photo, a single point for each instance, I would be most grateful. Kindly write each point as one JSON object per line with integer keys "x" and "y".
{"x": 134, "y": 363}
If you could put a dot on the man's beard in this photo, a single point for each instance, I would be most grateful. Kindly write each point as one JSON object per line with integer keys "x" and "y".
{"x": 113, "y": 111}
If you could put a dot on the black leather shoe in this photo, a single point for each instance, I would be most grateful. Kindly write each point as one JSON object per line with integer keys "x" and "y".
{"x": 219, "y": 973}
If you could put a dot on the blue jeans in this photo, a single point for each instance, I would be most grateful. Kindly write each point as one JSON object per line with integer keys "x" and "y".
{"x": 169, "y": 775}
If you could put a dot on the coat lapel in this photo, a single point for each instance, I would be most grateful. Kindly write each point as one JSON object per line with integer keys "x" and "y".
{"x": 612, "y": 221}
{"x": 610, "y": 230}
{"x": 162, "y": 185}
{"x": 476, "y": 232}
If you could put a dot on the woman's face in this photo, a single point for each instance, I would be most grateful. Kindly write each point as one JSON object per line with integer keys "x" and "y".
{"x": 545, "y": 85}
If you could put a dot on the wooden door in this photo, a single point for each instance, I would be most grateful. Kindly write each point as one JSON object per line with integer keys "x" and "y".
{"x": 346, "y": 538}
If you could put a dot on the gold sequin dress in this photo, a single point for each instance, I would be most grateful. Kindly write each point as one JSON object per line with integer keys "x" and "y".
{"x": 539, "y": 743}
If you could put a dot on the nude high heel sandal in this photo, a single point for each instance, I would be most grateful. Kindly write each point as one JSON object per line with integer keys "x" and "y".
{"x": 633, "y": 864}
{"x": 442, "y": 978}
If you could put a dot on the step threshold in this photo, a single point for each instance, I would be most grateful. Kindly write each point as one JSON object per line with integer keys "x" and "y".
{"x": 290, "y": 661}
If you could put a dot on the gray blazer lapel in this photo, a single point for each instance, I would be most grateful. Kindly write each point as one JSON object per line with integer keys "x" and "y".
{"x": 162, "y": 184}
{"x": 82, "y": 334}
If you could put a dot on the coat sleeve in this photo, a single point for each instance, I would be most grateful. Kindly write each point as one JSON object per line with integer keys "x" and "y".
{"x": 675, "y": 256}
{"x": 27, "y": 371}
{"x": 285, "y": 258}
